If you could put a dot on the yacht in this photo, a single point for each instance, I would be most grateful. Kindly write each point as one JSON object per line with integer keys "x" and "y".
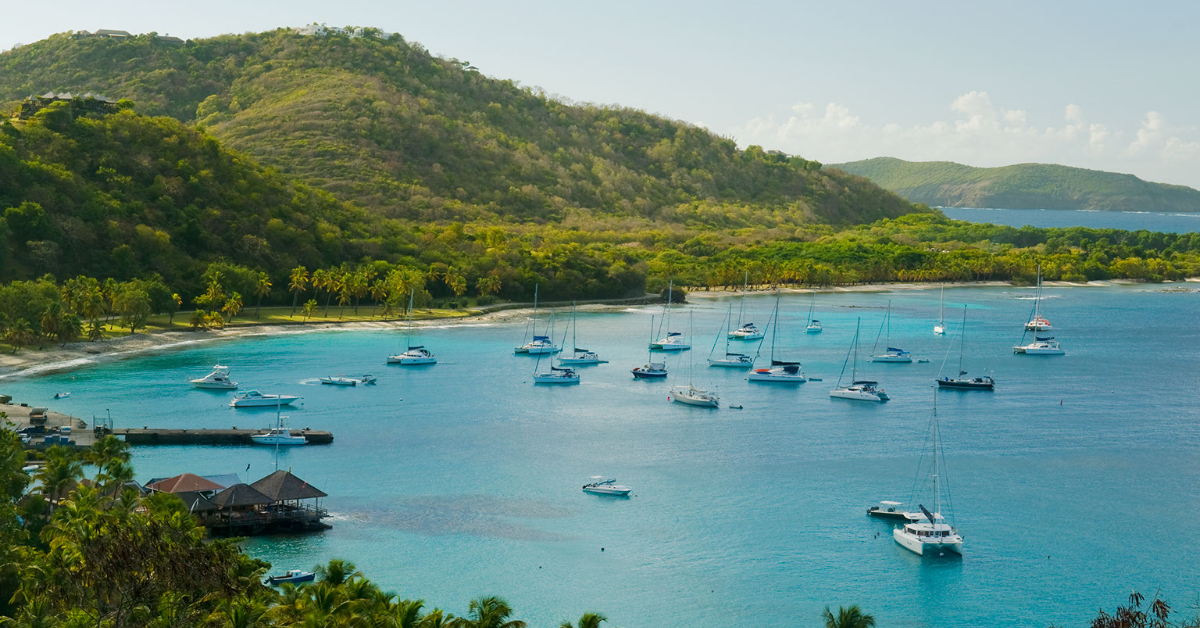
{"x": 894, "y": 355}
{"x": 729, "y": 360}
{"x": 857, "y": 389}
{"x": 984, "y": 382}
{"x": 278, "y": 436}
{"x": 540, "y": 345}
{"x": 413, "y": 355}
{"x": 814, "y": 325}
{"x": 255, "y": 399}
{"x": 217, "y": 379}
{"x": 940, "y": 328}
{"x": 1037, "y": 322}
{"x": 928, "y": 532}
{"x": 347, "y": 380}
{"x": 673, "y": 341}
{"x": 692, "y": 396}
{"x": 1040, "y": 346}
{"x": 650, "y": 370}
{"x": 779, "y": 371}
{"x": 601, "y": 486}
{"x": 556, "y": 375}
{"x": 580, "y": 356}
{"x": 744, "y": 331}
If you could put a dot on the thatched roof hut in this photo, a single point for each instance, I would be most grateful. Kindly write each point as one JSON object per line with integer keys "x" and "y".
{"x": 282, "y": 486}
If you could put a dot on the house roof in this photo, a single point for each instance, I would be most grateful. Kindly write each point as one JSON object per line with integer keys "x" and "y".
{"x": 283, "y": 486}
{"x": 184, "y": 482}
{"x": 240, "y": 495}
{"x": 196, "y": 502}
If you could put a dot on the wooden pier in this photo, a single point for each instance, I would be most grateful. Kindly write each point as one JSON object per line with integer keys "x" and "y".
{"x": 153, "y": 436}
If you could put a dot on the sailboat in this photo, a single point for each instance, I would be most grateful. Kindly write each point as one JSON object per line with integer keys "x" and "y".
{"x": 651, "y": 370}
{"x": 730, "y": 360}
{"x": 929, "y": 533}
{"x": 892, "y": 354}
{"x": 744, "y": 331}
{"x": 1038, "y": 322}
{"x": 1041, "y": 346}
{"x": 690, "y": 395}
{"x": 415, "y": 354}
{"x": 940, "y": 328}
{"x": 779, "y": 371}
{"x": 972, "y": 383}
{"x": 540, "y": 345}
{"x": 814, "y": 325}
{"x": 579, "y": 357}
{"x": 858, "y": 390}
{"x": 673, "y": 341}
{"x": 556, "y": 374}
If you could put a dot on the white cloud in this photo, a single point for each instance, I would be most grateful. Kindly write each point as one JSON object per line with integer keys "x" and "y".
{"x": 977, "y": 131}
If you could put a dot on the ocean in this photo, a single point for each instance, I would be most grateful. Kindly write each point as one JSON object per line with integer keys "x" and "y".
{"x": 1077, "y": 480}
{"x": 1172, "y": 222}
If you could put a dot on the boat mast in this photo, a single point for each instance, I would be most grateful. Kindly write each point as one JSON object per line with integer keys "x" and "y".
{"x": 574, "y": 329}
{"x": 728, "y": 320}
{"x": 278, "y": 428}
{"x": 1037, "y": 296}
{"x": 937, "y": 492}
{"x": 776, "y": 333}
{"x": 811, "y": 305}
{"x": 408, "y": 341}
{"x": 962, "y": 344}
{"x": 650, "y": 345}
{"x": 854, "y": 366}
{"x": 742, "y": 307}
{"x": 942, "y": 308}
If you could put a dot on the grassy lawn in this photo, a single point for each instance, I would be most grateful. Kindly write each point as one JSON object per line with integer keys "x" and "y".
{"x": 283, "y": 316}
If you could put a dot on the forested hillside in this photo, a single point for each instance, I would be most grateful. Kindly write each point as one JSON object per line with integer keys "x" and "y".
{"x": 1021, "y": 186}
{"x": 387, "y": 125}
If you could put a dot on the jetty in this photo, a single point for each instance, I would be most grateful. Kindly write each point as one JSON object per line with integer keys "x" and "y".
{"x": 232, "y": 436}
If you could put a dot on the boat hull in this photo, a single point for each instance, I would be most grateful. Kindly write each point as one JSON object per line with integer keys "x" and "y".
{"x": 699, "y": 403}
{"x": 754, "y": 336}
{"x": 965, "y": 384}
{"x": 619, "y": 492}
{"x": 538, "y": 379}
{"x": 262, "y": 403}
{"x": 660, "y": 346}
{"x": 283, "y": 442}
{"x": 638, "y": 374}
{"x": 339, "y": 382}
{"x": 920, "y": 548}
{"x": 813, "y": 330}
{"x": 308, "y": 577}
{"x": 880, "y": 513}
{"x": 730, "y": 364}
{"x": 1033, "y": 351}
{"x": 763, "y": 375}
{"x": 405, "y": 361}
{"x": 893, "y": 359}
{"x": 214, "y": 385}
{"x": 542, "y": 350}
{"x": 858, "y": 395}
{"x": 581, "y": 361}
{"x": 940, "y": 330}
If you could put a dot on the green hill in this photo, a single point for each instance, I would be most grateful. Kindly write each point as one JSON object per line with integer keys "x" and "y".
{"x": 1022, "y": 186}
{"x": 388, "y": 126}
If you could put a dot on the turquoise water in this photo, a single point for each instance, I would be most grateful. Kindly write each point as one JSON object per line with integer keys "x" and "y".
{"x": 1132, "y": 221}
{"x": 1075, "y": 481}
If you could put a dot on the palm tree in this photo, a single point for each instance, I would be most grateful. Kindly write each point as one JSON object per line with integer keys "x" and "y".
{"x": 19, "y": 334}
{"x": 379, "y": 293}
{"x": 488, "y": 284}
{"x": 199, "y": 320}
{"x": 297, "y": 283}
{"x": 232, "y": 306}
{"x": 48, "y": 322}
{"x": 58, "y": 476}
{"x": 851, "y": 617}
{"x": 488, "y": 612}
{"x": 95, "y": 332}
{"x": 310, "y": 308}
{"x": 262, "y": 287}
{"x": 345, "y": 291}
{"x": 588, "y": 620}
{"x": 337, "y": 572}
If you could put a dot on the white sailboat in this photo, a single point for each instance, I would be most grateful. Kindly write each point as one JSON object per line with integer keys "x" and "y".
{"x": 857, "y": 390}
{"x": 580, "y": 356}
{"x": 779, "y": 371}
{"x": 673, "y": 341}
{"x": 540, "y": 345}
{"x": 729, "y": 360}
{"x": 218, "y": 379}
{"x": 1038, "y": 322}
{"x": 1040, "y": 346}
{"x": 962, "y": 382}
{"x": 940, "y": 328}
{"x": 744, "y": 331}
{"x": 556, "y": 374}
{"x": 414, "y": 355}
{"x": 930, "y": 534}
{"x": 814, "y": 325}
{"x": 894, "y": 355}
{"x": 650, "y": 370}
{"x": 690, "y": 395}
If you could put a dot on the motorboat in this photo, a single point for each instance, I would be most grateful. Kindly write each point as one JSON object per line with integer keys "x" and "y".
{"x": 556, "y": 375}
{"x": 278, "y": 436}
{"x": 255, "y": 399}
{"x": 413, "y": 356}
{"x": 579, "y": 356}
{"x": 893, "y": 355}
{"x": 692, "y": 396}
{"x": 650, "y": 370}
{"x": 540, "y": 345}
{"x": 732, "y": 360}
{"x": 780, "y": 371}
{"x": 62, "y": 395}
{"x": 1037, "y": 322}
{"x": 1040, "y": 346}
{"x": 940, "y": 328}
{"x": 339, "y": 380}
{"x": 601, "y": 486}
{"x": 888, "y": 510}
{"x": 293, "y": 576}
{"x": 814, "y": 325}
{"x": 857, "y": 389}
{"x": 218, "y": 379}
{"x": 930, "y": 533}
{"x": 977, "y": 383}
{"x": 366, "y": 378}
{"x": 673, "y": 341}
{"x": 744, "y": 331}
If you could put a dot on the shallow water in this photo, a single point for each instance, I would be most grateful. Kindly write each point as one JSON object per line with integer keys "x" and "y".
{"x": 1076, "y": 480}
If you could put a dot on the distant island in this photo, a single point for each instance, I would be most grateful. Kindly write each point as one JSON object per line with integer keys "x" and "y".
{"x": 1021, "y": 186}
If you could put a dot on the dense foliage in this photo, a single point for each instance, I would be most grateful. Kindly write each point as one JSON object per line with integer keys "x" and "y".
{"x": 1022, "y": 186}
{"x": 384, "y": 123}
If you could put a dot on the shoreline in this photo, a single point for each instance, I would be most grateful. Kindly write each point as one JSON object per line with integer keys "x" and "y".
{"x": 54, "y": 359}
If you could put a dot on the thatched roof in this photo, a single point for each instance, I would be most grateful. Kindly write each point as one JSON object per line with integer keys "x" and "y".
{"x": 196, "y": 502}
{"x": 283, "y": 486}
{"x": 240, "y": 495}
{"x": 184, "y": 482}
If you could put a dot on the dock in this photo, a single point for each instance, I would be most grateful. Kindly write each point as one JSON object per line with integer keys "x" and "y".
{"x": 233, "y": 436}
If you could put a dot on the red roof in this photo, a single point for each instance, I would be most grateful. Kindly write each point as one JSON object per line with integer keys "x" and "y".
{"x": 183, "y": 483}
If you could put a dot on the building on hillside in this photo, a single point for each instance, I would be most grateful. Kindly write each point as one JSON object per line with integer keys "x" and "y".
{"x": 320, "y": 30}
{"x": 87, "y": 103}
{"x": 168, "y": 39}
{"x": 111, "y": 34}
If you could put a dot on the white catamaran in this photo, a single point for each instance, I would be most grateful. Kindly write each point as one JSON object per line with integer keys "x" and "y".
{"x": 928, "y": 532}
{"x": 1037, "y": 322}
{"x": 414, "y": 355}
{"x": 857, "y": 390}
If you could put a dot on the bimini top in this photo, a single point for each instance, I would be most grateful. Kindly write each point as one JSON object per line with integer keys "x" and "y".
{"x": 783, "y": 363}
{"x": 416, "y": 347}
{"x": 541, "y": 337}
{"x": 865, "y": 382}
{"x": 673, "y": 333}
{"x": 1040, "y": 339}
{"x": 562, "y": 368}
{"x": 896, "y": 350}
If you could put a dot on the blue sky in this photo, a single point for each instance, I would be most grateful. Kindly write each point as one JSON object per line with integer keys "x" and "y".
{"x": 1092, "y": 84}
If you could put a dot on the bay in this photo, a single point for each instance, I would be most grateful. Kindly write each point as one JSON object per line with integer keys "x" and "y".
{"x": 1131, "y": 221}
{"x": 1075, "y": 481}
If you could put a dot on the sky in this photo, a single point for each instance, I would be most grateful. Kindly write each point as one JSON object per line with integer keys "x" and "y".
{"x": 1104, "y": 85}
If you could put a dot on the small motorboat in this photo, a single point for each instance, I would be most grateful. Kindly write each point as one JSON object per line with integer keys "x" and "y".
{"x": 692, "y": 396}
{"x": 339, "y": 380}
{"x": 218, "y": 379}
{"x": 736, "y": 406}
{"x": 888, "y": 510}
{"x": 653, "y": 370}
{"x": 294, "y": 576}
{"x": 255, "y": 399}
{"x": 600, "y": 486}
{"x": 557, "y": 375}
{"x": 62, "y": 395}
{"x": 1040, "y": 346}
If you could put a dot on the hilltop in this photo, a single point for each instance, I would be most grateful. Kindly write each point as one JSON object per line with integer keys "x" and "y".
{"x": 379, "y": 121}
{"x": 1022, "y": 186}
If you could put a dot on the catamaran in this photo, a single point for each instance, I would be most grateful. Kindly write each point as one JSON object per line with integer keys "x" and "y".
{"x": 729, "y": 360}
{"x": 857, "y": 390}
{"x": 779, "y": 371}
{"x": 579, "y": 357}
{"x": 690, "y": 395}
{"x": 940, "y": 328}
{"x": 414, "y": 355}
{"x": 930, "y": 534}
{"x": 1038, "y": 322}
{"x": 540, "y": 345}
{"x": 892, "y": 354}
{"x": 744, "y": 331}
{"x": 673, "y": 341}
{"x": 814, "y": 325}
{"x": 218, "y": 379}
{"x": 970, "y": 383}
{"x": 651, "y": 370}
